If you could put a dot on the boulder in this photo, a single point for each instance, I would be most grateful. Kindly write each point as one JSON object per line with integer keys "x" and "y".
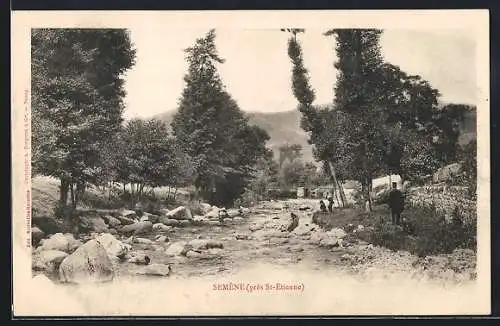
{"x": 143, "y": 241}
{"x": 139, "y": 258}
{"x": 48, "y": 260}
{"x": 180, "y": 213}
{"x": 113, "y": 221}
{"x": 199, "y": 219}
{"x": 244, "y": 210}
{"x": 213, "y": 214}
{"x": 125, "y": 220}
{"x": 137, "y": 228}
{"x": 61, "y": 242}
{"x": 175, "y": 249}
{"x": 155, "y": 270}
{"x": 93, "y": 222}
{"x": 169, "y": 221}
{"x": 256, "y": 227}
{"x": 303, "y": 230}
{"x": 130, "y": 214}
{"x": 152, "y": 218}
{"x": 49, "y": 225}
{"x": 337, "y": 233}
{"x": 238, "y": 218}
{"x": 203, "y": 244}
{"x": 193, "y": 254}
{"x": 241, "y": 236}
{"x": 185, "y": 222}
{"x": 36, "y": 235}
{"x": 89, "y": 263}
{"x": 233, "y": 212}
{"x": 160, "y": 227}
{"x": 162, "y": 238}
{"x": 113, "y": 246}
{"x": 205, "y": 207}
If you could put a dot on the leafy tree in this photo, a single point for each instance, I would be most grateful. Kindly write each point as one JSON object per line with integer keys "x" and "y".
{"x": 211, "y": 128}
{"x": 357, "y": 96}
{"x": 289, "y": 152}
{"x": 77, "y": 92}
{"x": 149, "y": 156}
{"x": 314, "y": 120}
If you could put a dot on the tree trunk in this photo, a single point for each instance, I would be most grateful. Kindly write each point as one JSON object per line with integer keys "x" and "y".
{"x": 73, "y": 193}
{"x": 63, "y": 192}
{"x": 337, "y": 184}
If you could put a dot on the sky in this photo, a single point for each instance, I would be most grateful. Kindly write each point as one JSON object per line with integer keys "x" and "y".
{"x": 257, "y": 70}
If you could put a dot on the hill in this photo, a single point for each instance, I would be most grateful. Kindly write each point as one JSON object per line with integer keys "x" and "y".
{"x": 284, "y": 127}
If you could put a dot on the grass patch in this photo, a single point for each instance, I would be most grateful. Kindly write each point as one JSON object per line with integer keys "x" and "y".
{"x": 425, "y": 232}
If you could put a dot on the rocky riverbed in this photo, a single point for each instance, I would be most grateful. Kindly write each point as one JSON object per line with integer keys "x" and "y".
{"x": 154, "y": 249}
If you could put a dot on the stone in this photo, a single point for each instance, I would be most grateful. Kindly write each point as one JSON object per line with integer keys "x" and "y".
{"x": 175, "y": 249}
{"x": 161, "y": 238}
{"x": 93, "y": 223}
{"x": 169, "y": 221}
{"x": 124, "y": 220}
{"x": 242, "y": 236}
{"x": 160, "y": 227}
{"x": 130, "y": 214}
{"x": 59, "y": 241}
{"x": 113, "y": 246}
{"x": 180, "y": 213}
{"x": 143, "y": 241}
{"x": 48, "y": 260}
{"x": 227, "y": 220}
{"x": 155, "y": 270}
{"x": 184, "y": 222}
{"x": 213, "y": 214}
{"x": 139, "y": 258}
{"x": 137, "y": 228}
{"x": 89, "y": 263}
{"x": 205, "y": 207}
{"x": 233, "y": 212}
{"x": 113, "y": 221}
{"x": 304, "y": 207}
{"x": 238, "y": 218}
{"x": 256, "y": 227}
{"x": 193, "y": 254}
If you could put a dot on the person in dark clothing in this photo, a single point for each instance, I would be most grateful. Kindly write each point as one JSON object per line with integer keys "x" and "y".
{"x": 322, "y": 206}
{"x": 396, "y": 204}
{"x": 330, "y": 204}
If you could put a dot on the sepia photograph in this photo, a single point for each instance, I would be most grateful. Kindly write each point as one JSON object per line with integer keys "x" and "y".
{"x": 251, "y": 163}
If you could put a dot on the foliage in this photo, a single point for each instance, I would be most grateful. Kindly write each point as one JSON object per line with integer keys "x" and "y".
{"x": 77, "y": 92}
{"x": 212, "y": 130}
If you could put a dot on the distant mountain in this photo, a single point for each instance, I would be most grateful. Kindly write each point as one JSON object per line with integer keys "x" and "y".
{"x": 284, "y": 127}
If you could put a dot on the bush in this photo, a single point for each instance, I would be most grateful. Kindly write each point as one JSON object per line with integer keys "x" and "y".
{"x": 425, "y": 232}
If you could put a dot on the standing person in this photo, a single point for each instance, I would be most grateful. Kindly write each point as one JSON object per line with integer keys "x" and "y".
{"x": 396, "y": 204}
{"x": 322, "y": 206}
{"x": 330, "y": 204}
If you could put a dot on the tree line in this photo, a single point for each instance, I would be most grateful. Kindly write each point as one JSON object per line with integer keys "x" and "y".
{"x": 382, "y": 120}
{"x": 80, "y": 137}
